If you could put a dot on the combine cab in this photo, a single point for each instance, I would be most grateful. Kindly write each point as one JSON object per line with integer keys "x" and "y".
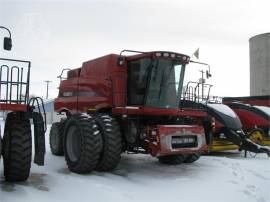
{"x": 16, "y": 145}
{"x": 117, "y": 103}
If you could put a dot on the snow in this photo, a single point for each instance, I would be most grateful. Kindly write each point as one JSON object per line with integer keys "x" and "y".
{"x": 226, "y": 176}
{"x": 223, "y": 109}
{"x": 264, "y": 109}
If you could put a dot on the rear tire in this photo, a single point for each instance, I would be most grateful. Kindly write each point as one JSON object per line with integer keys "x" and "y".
{"x": 190, "y": 158}
{"x": 172, "y": 159}
{"x": 112, "y": 142}
{"x": 82, "y": 143}
{"x": 56, "y": 139}
{"x": 17, "y": 147}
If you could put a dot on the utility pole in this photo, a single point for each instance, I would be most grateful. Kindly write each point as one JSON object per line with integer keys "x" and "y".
{"x": 47, "y": 92}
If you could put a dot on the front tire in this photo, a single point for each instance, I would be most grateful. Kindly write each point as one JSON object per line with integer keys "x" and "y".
{"x": 172, "y": 159}
{"x": 82, "y": 143}
{"x": 17, "y": 147}
{"x": 190, "y": 158}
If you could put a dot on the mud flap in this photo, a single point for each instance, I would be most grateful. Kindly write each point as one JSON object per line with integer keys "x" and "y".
{"x": 39, "y": 136}
{"x": 240, "y": 139}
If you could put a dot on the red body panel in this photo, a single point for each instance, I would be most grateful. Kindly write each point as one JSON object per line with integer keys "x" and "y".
{"x": 92, "y": 87}
{"x": 13, "y": 107}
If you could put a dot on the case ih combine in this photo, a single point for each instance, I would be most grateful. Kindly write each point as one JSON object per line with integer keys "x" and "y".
{"x": 122, "y": 103}
{"x": 119, "y": 103}
{"x": 16, "y": 146}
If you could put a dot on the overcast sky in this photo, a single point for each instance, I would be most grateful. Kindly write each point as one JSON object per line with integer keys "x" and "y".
{"x": 63, "y": 34}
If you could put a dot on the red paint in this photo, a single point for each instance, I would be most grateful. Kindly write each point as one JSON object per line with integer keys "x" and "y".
{"x": 250, "y": 119}
{"x": 102, "y": 86}
{"x": 13, "y": 107}
{"x": 164, "y": 133}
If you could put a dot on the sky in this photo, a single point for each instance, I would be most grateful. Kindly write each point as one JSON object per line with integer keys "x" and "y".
{"x": 63, "y": 33}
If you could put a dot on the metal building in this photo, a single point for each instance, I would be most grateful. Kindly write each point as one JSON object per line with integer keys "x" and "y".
{"x": 259, "y": 47}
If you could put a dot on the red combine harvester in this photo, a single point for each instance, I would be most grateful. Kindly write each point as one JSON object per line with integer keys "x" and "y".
{"x": 16, "y": 146}
{"x": 119, "y": 103}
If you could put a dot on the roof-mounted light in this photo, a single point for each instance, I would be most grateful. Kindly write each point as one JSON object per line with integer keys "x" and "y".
{"x": 158, "y": 54}
{"x": 166, "y": 54}
{"x": 180, "y": 57}
{"x": 173, "y": 55}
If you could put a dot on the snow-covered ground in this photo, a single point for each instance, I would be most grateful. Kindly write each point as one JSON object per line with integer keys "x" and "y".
{"x": 224, "y": 177}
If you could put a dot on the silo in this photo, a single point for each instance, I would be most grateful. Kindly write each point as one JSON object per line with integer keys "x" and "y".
{"x": 259, "y": 52}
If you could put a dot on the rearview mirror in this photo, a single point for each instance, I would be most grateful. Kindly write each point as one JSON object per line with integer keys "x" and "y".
{"x": 208, "y": 75}
{"x": 7, "y": 43}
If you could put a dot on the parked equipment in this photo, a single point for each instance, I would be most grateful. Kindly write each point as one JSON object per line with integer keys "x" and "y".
{"x": 255, "y": 121}
{"x": 119, "y": 103}
{"x": 16, "y": 146}
{"x": 262, "y": 100}
{"x": 227, "y": 131}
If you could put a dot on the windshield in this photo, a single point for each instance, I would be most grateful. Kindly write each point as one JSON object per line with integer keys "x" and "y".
{"x": 155, "y": 83}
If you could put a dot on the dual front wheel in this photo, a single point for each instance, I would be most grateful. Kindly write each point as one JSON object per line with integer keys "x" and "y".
{"x": 88, "y": 142}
